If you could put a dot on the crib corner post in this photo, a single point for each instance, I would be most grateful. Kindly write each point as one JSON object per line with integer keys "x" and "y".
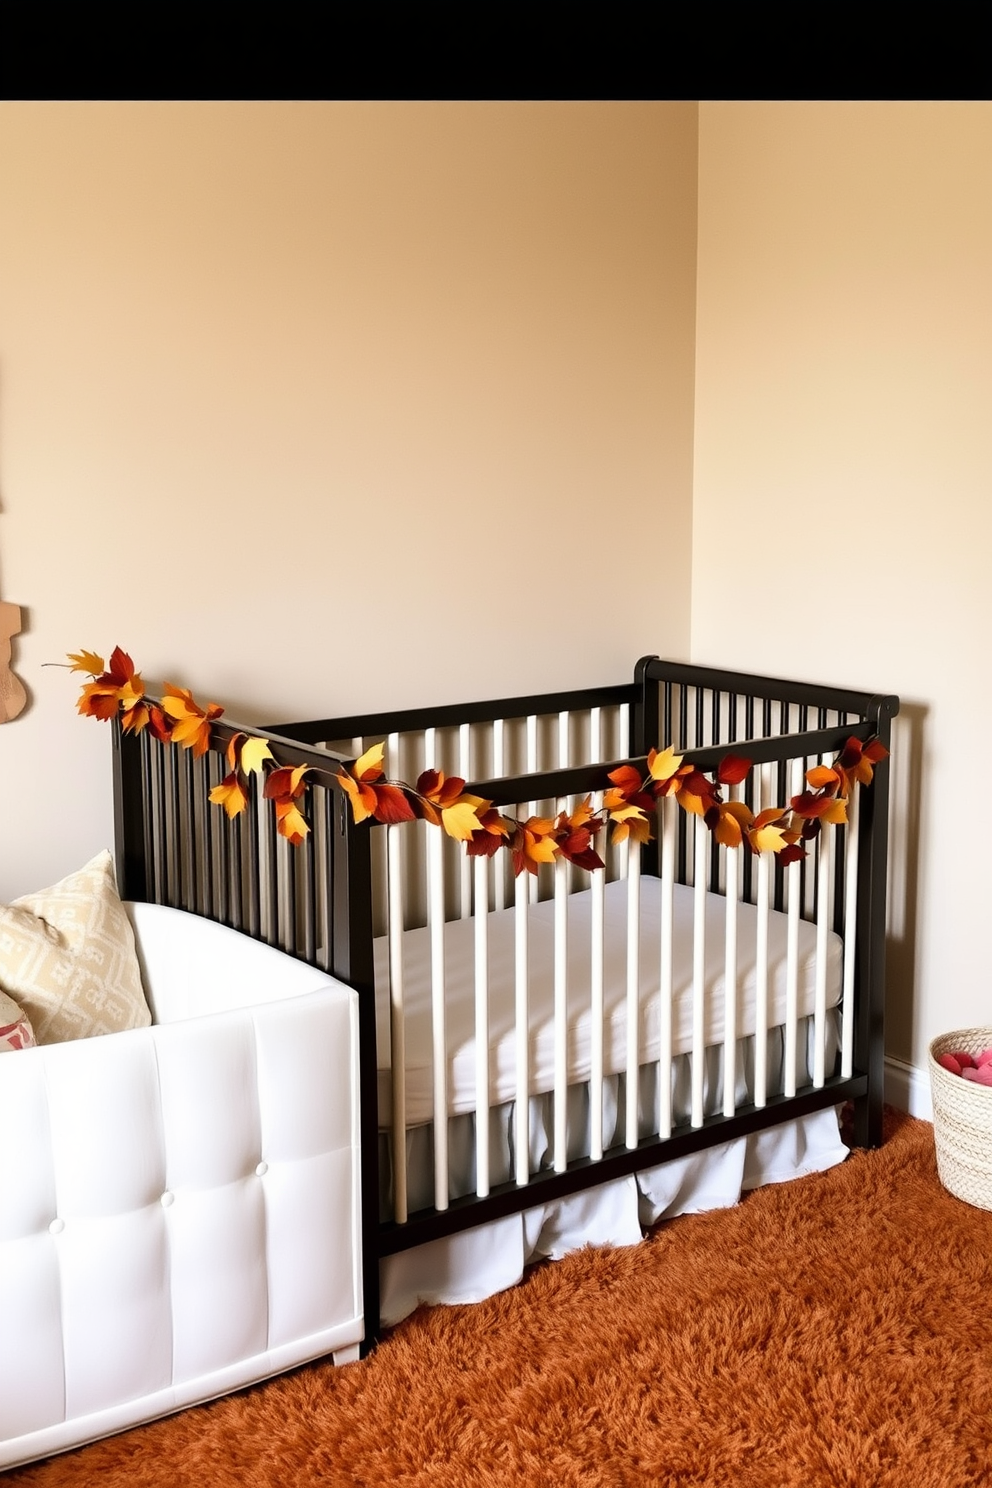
{"x": 351, "y": 892}
{"x": 129, "y": 815}
{"x": 870, "y": 1022}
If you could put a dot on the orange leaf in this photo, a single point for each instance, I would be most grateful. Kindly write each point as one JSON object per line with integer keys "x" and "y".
{"x": 290, "y": 822}
{"x": 726, "y": 829}
{"x": 362, "y": 796}
{"x": 134, "y": 719}
{"x": 190, "y": 722}
{"x": 99, "y": 700}
{"x": 626, "y": 779}
{"x": 822, "y": 776}
{"x": 231, "y": 795}
{"x": 232, "y": 750}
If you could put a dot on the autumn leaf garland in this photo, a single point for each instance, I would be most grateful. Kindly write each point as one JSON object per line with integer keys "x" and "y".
{"x": 628, "y": 804}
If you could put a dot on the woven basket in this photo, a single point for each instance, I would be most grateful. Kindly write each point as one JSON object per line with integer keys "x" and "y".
{"x": 962, "y": 1121}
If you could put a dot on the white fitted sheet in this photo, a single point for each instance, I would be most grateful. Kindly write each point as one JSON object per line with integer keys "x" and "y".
{"x": 460, "y": 1006}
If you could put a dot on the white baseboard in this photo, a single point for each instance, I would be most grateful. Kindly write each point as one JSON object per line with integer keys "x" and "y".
{"x": 908, "y": 1088}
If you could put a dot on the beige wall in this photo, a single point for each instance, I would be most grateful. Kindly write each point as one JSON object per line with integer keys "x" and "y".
{"x": 843, "y": 470}
{"x": 322, "y": 406}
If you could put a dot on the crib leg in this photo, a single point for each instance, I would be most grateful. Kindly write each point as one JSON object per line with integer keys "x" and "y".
{"x": 347, "y": 1355}
{"x": 868, "y": 1120}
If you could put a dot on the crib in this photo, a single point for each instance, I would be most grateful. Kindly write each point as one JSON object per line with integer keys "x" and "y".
{"x": 536, "y": 1040}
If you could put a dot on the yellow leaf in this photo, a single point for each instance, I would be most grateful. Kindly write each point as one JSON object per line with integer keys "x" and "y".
{"x": 253, "y": 752}
{"x": 461, "y": 820}
{"x": 664, "y": 765}
{"x": 371, "y": 760}
{"x": 768, "y": 839}
{"x": 628, "y": 814}
{"x": 86, "y": 661}
{"x": 836, "y": 812}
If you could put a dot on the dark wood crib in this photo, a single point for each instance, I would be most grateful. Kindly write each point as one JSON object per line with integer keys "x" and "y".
{"x": 664, "y": 977}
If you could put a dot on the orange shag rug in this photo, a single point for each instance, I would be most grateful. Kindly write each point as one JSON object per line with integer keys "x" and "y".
{"x": 832, "y": 1331}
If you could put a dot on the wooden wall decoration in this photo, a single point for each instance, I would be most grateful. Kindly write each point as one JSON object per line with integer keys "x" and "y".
{"x": 12, "y": 694}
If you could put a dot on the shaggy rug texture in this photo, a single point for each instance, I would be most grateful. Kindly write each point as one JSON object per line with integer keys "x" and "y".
{"x": 832, "y": 1331}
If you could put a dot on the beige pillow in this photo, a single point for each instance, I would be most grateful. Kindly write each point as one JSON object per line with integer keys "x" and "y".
{"x": 15, "y": 1029}
{"x": 67, "y": 956}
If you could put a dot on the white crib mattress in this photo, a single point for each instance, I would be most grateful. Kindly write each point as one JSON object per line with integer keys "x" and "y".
{"x": 460, "y": 1002}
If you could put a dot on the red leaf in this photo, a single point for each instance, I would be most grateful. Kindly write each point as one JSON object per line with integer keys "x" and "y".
{"x": 732, "y": 769}
{"x": 698, "y": 784}
{"x": 121, "y": 668}
{"x": 159, "y": 726}
{"x": 391, "y": 805}
{"x": 484, "y": 844}
{"x": 791, "y": 854}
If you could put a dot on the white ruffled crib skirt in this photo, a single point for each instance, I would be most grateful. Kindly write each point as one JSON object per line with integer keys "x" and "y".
{"x": 477, "y": 1263}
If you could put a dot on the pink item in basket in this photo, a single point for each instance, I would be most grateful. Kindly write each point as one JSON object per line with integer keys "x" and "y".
{"x": 982, "y": 1075}
{"x": 984, "y": 1058}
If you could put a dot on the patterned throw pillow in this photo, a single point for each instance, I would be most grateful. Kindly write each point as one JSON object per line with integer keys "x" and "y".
{"x": 15, "y": 1029}
{"x": 67, "y": 956}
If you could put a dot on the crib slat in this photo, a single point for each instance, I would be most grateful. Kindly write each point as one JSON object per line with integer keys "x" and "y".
{"x": 597, "y": 942}
{"x": 522, "y": 1025}
{"x": 667, "y": 831}
{"x": 730, "y": 988}
{"x": 397, "y": 1039}
{"x": 760, "y": 1093}
{"x": 561, "y": 1015}
{"x": 435, "y": 919}
{"x": 824, "y": 871}
{"x": 465, "y": 771}
{"x": 633, "y": 988}
{"x": 481, "y": 1027}
{"x": 850, "y": 936}
{"x": 532, "y": 761}
{"x": 499, "y": 769}
{"x": 794, "y": 878}
{"x": 698, "y": 971}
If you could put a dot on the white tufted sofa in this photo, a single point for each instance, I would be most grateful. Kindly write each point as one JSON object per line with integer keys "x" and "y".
{"x": 178, "y": 1204}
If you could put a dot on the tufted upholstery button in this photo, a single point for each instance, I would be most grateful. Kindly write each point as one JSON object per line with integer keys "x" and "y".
{"x": 262, "y": 1169}
{"x": 56, "y": 1227}
{"x": 167, "y": 1199}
